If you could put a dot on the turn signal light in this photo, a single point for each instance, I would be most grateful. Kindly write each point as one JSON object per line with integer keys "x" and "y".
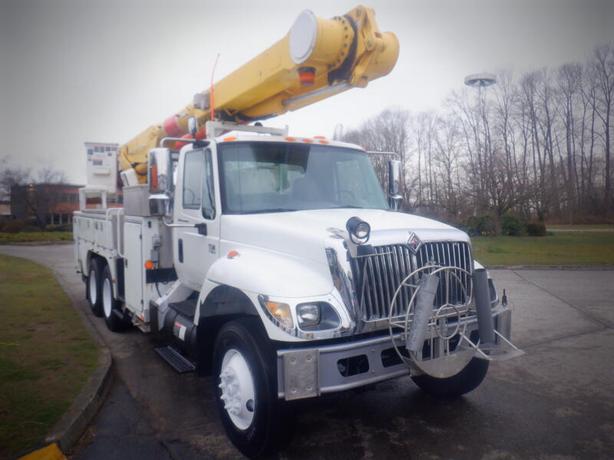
{"x": 149, "y": 265}
{"x": 281, "y": 312}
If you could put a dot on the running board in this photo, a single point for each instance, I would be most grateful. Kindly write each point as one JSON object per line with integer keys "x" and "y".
{"x": 175, "y": 359}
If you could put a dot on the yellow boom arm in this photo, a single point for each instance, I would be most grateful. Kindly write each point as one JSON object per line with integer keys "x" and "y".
{"x": 315, "y": 60}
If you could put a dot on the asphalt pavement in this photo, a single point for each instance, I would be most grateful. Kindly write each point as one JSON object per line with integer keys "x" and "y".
{"x": 555, "y": 402}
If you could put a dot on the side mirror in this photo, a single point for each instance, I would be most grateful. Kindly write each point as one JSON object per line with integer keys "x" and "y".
{"x": 394, "y": 184}
{"x": 192, "y": 126}
{"x": 160, "y": 179}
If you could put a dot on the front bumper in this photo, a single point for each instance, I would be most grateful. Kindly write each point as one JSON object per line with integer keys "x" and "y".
{"x": 311, "y": 371}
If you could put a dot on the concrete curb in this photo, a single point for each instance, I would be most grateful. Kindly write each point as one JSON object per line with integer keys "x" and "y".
{"x": 68, "y": 430}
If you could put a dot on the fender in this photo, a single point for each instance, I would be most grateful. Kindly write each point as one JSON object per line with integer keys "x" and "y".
{"x": 236, "y": 283}
{"x": 277, "y": 275}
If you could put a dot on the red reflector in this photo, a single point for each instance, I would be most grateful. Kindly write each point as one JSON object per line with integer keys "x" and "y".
{"x": 307, "y": 76}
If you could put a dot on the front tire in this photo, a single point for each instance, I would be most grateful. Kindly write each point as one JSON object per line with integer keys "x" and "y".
{"x": 465, "y": 381}
{"x": 245, "y": 386}
{"x": 93, "y": 291}
{"x": 111, "y": 308}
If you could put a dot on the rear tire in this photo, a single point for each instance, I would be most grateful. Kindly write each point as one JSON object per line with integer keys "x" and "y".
{"x": 93, "y": 291}
{"x": 245, "y": 382}
{"x": 111, "y": 308}
{"x": 452, "y": 387}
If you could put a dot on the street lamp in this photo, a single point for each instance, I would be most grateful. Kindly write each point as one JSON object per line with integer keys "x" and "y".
{"x": 480, "y": 80}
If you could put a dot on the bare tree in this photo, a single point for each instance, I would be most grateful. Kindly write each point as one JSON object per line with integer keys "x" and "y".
{"x": 50, "y": 175}
{"x": 603, "y": 65}
{"x": 569, "y": 79}
{"x": 11, "y": 175}
{"x": 538, "y": 146}
{"x": 385, "y": 132}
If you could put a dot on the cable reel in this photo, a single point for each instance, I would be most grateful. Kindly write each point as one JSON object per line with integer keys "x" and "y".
{"x": 431, "y": 336}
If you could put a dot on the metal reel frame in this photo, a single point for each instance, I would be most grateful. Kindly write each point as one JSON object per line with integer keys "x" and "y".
{"x": 442, "y": 362}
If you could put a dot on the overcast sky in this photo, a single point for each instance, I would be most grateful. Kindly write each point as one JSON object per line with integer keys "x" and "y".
{"x": 83, "y": 70}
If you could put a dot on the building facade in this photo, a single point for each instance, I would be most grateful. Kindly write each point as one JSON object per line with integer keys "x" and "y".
{"x": 45, "y": 203}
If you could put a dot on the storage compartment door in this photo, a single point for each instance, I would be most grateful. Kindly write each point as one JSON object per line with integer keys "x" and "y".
{"x": 133, "y": 267}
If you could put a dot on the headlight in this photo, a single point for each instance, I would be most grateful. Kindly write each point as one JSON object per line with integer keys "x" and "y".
{"x": 317, "y": 316}
{"x": 279, "y": 312}
{"x": 308, "y": 315}
{"x": 358, "y": 229}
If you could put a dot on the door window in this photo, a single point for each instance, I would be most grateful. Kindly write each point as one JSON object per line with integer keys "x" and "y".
{"x": 198, "y": 189}
{"x": 192, "y": 179}
{"x": 208, "y": 198}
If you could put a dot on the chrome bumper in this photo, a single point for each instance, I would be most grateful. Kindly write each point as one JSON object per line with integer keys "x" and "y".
{"x": 312, "y": 371}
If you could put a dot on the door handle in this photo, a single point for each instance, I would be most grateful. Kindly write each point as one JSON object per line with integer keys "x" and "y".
{"x": 201, "y": 228}
{"x": 180, "y": 250}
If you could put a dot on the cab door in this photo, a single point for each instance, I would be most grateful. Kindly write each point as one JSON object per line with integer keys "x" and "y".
{"x": 197, "y": 234}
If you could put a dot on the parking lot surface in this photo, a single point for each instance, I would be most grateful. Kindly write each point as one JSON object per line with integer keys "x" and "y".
{"x": 555, "y": 402}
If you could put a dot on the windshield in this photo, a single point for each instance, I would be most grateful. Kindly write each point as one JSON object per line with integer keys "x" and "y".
{"x": 275, "y": 176}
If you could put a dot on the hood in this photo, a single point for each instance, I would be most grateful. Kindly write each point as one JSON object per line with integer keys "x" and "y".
{"x": 304, "y": 234}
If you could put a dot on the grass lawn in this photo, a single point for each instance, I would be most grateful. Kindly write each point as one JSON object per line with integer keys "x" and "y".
{"x": 46, "y": 354}
{"x": 26, "y": 237}
{"x": 575, "y": 247}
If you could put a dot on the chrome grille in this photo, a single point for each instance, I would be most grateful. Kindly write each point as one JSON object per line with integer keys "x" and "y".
{"x": 377, "y": 276}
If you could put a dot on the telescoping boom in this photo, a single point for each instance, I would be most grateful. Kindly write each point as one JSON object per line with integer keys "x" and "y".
{"x": 317, "y": 58}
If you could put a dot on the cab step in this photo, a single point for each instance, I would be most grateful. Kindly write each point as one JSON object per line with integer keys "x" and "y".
{"x": 175, "y": 359}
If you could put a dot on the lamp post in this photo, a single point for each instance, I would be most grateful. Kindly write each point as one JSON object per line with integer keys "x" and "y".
{"x": 479, "y": 81}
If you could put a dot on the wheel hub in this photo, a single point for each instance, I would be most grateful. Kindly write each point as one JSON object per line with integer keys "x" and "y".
{"x": 107, "y": 300}
{"x": 93, "y": 292}
{"x": 237, "y": 386}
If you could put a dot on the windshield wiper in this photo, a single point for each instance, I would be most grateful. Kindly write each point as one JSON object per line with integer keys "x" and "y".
{"x": 346, "y": 206}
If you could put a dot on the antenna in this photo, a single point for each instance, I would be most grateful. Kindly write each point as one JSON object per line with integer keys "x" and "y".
{"x": 211, "y": 96}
